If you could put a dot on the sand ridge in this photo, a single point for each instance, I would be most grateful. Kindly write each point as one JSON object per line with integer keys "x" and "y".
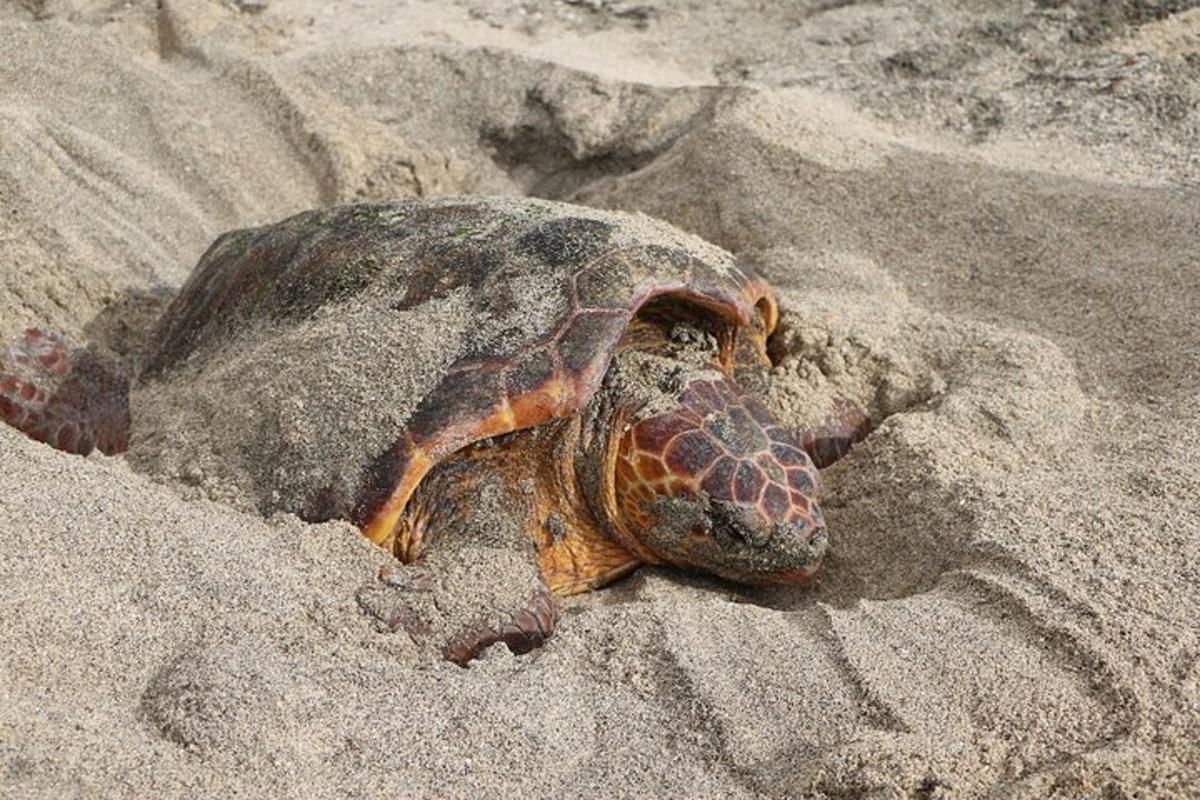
{"x": 982, "y": 226}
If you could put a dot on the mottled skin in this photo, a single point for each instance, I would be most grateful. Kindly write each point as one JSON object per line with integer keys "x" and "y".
{"x": 613, "y": 435}
{"x": 75, "y": 400}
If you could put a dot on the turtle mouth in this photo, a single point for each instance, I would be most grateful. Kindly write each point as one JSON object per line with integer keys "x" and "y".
{"x": 791, "y": 559}
{"x": 686, "y": 535}
{"x": 800, "y": 576}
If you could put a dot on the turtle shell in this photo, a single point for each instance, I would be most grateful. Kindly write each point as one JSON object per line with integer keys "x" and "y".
{"x": 325, "y": 363}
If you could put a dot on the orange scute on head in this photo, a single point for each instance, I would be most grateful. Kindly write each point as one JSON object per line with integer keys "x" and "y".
{"x": 650, "y": 468}
{"x": 722, "y": 447}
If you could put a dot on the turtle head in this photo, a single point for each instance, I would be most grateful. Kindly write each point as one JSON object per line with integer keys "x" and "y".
{"x": 714, "y": 482}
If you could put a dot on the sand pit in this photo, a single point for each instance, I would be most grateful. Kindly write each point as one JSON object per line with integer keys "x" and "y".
{"x": 982, "y": 226}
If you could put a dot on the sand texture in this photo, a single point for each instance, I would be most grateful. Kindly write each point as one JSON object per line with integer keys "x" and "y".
{"x": 982, "y": 220}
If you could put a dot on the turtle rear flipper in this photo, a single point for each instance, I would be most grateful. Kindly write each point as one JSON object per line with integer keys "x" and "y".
{"x": 73, "y": 399}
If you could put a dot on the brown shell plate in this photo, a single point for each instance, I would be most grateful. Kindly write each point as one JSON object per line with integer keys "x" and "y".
{"x": 550, "y": 289}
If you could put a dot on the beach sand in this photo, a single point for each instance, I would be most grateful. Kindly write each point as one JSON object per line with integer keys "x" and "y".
{"x": 983, "y": 225}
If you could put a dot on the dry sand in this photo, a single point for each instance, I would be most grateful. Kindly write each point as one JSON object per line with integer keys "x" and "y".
{"x": 984, "y": 221}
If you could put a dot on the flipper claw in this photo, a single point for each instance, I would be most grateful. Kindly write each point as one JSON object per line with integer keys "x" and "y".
{"x": 407, "y": 598}
{"x": 526, "y": 630}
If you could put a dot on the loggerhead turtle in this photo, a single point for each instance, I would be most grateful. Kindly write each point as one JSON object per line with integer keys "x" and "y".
{"x": 579, "y": 412}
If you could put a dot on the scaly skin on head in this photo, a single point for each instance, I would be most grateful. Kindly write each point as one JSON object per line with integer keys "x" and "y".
{"x": 75, "y": 399}
{"x": 700, "y": 474}
{"x": 722, "y": 452}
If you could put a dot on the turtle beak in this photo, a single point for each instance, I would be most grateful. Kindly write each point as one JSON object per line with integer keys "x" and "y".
{"x": 794, "y": 577}
{"x": 797, "y": 547}
{"x": 798, "y": 576}
{"x": 805, "y": 551}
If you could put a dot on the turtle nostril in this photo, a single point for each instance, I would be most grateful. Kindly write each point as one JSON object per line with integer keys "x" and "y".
{"x": 818, "y": 540}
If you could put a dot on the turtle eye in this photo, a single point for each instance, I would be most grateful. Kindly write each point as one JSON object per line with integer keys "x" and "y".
{"x": 765, "y": 318}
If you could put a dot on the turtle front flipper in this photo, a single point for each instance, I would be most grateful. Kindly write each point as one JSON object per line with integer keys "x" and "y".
{"x": 420, "y": 601}
{"x": 750, "y": 365}
{"x": 74, "y": 399}
{"x": 475, "y": 579}
{"x": 527, "y": 627}
{"x": 836, "y": 434}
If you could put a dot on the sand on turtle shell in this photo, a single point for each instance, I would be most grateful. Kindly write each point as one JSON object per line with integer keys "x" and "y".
{"x": 308, "y": 386}
{"x": 982, "y": 224}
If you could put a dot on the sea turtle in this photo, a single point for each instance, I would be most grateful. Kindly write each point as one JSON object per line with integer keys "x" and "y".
{"x": 519, "y": 399}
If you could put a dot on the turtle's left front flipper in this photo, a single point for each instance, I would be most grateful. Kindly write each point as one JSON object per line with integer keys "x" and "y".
{"x": 75, "y": 399}
{"x": 474, "y": 578}
{"x": 828, "y": 441}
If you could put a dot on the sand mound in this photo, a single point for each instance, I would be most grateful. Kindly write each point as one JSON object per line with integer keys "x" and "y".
{"x": 990, "y": 245}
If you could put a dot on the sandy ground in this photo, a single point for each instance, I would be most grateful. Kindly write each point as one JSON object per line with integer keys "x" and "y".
{"x": 983, "y": 222}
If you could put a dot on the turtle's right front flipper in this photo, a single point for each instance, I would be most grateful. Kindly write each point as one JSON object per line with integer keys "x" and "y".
{"x": 74, "y": 399}
{"x": 474, "y": 579}
{"x": 469, "y": 623}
